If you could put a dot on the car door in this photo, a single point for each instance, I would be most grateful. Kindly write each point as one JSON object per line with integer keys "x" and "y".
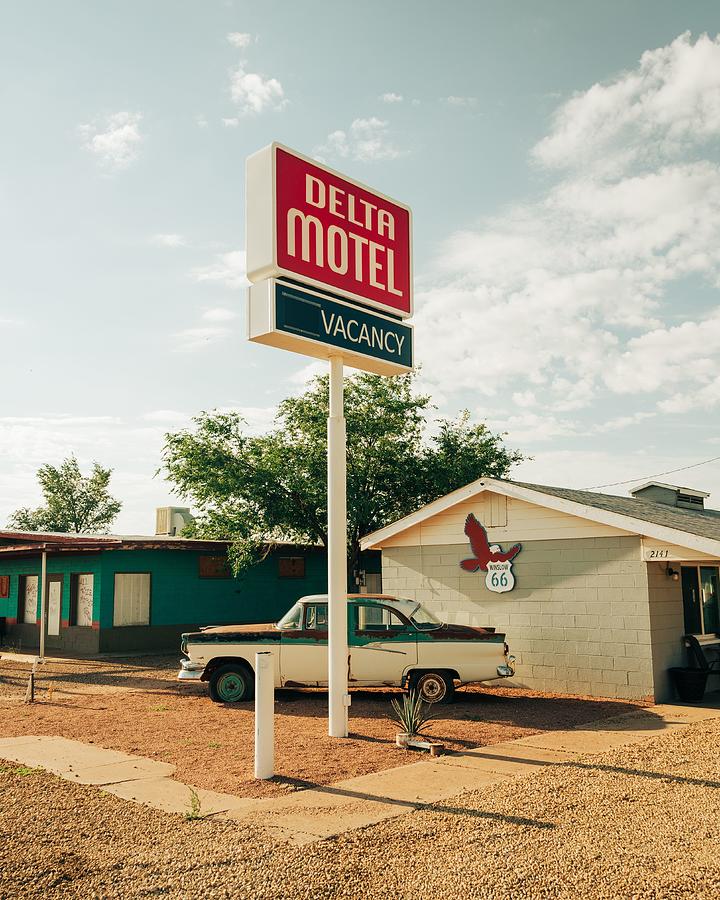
{"x": 382, "y": 644}
{"x": 304, "y": 651}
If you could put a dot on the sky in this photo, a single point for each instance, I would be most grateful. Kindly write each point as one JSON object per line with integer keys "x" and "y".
{"x": 560, "y": 157}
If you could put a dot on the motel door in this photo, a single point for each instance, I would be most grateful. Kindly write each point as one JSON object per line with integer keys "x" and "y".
{"x": 54, "y": 604}
{"x": 701, "y": 599}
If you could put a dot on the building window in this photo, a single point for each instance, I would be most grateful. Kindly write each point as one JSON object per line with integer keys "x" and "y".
{"x": 701, "y": 599}
{"x": 291, "y": 566}
{"x": 81, "y": 599}
{"x": 214, "y": 567}
{"x": 4, "y": 587}
{"x": 132, "y": 599}
{"x": 28, "y": 599}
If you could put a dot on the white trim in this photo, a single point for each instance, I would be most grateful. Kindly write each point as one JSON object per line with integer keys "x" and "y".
{"x": 550, "y": 501}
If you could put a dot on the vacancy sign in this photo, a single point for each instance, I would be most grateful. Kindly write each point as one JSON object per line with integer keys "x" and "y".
{"x": 293, "y": 317}
{"x": 311, "y": 224}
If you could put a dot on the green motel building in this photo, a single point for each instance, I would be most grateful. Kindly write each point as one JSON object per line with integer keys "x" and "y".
{"x": 117, "y": 594}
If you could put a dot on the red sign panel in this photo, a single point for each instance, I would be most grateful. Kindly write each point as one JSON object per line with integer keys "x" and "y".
{"x": 328, "y": 232}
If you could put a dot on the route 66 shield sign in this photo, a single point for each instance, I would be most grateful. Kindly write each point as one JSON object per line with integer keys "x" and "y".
{"x": 499, "y": 577}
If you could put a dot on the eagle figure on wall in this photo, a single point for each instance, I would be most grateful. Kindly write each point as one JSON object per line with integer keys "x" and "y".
{"x": 484, "y": 552}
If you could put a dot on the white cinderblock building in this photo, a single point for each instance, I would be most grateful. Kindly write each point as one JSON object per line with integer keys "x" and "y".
{"x": 596, "y": 599}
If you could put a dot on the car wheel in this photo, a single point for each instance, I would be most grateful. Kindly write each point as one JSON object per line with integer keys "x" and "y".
{"x": 231, "y": 683}
{"x": 434, "y": 687}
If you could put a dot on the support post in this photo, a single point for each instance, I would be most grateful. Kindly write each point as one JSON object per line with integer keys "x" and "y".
{"x": 338, "y": 697}
{"x": 43, "y": 605}
{"x": 264, "y": 715}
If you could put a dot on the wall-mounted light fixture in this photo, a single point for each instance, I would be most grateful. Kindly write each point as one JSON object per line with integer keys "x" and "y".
{"x": 672, "y": 573}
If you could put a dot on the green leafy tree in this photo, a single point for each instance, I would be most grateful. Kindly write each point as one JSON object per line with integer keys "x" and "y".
{"x": 73, "y": 502}
{"x": 254, "y": 489}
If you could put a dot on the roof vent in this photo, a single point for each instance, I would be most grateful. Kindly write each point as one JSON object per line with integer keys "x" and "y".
{"x": 670, "y": 495}
{"x": 170, "y": 520}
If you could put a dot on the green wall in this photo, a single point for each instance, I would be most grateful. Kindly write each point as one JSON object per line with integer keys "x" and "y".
{"x": 179, "y": 596}
{"x": 56, "y": 565}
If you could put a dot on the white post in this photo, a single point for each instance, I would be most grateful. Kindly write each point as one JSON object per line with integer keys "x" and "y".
{"x": 43, "y": 605}
{"x": 338, "y": 697}
{"x": 264, "y": 715}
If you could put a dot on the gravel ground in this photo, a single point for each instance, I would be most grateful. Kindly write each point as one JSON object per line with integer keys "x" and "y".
{"x": 137, "y": 706}
{"x": 639, "y": 822}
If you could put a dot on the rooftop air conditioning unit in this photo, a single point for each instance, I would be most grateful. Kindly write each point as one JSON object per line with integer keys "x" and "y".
{"x": 170, "y": 520}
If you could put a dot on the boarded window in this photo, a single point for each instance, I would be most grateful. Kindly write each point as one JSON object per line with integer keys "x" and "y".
{"x": 291, "y": 566}
{"x": 28, "y": 597}
{"x": 497, "y": 511}
{"x": 81, "y": 599}
{"x": 214, "y": 567}
{"x": 132, "y": 599}
{"x": 4, "y": 587}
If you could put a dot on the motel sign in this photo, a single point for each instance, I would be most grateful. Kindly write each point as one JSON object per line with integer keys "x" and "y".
{"x": 311, "y": 224}
{"x": 330, "y": 266}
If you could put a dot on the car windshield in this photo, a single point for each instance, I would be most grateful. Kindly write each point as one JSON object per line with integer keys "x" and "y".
{"x": 423, "y": 619}
{"x": 292, "y": 618}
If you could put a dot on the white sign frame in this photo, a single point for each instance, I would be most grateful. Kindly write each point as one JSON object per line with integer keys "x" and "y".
{"x": 262, "y": 329}
{"x": 261, "y": 226}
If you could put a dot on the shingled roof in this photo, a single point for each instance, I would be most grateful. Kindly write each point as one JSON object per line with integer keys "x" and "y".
{"x": 697, "y": 529}
{"x": 703, "y": 522}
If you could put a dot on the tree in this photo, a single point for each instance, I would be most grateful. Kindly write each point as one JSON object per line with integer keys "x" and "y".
{"x": 73, "y": 502}
{"x": 255, "y": 489}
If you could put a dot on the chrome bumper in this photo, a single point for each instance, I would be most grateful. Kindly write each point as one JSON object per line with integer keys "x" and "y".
{"x": 508, "y": 670}
{"x": 190, "y": 671}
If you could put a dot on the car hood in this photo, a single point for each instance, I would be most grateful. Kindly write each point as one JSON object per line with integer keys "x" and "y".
{"x": 234, "y": 634}
{"x": 243, "y": 629}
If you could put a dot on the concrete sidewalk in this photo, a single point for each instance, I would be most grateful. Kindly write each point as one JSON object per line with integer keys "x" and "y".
{"x": 326, "y": 811}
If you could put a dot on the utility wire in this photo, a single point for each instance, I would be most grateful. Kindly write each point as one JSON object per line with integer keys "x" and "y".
{"x": 657, "y": 475}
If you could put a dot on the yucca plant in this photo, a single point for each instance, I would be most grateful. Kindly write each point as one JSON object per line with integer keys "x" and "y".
{"x": 412, "y": 713}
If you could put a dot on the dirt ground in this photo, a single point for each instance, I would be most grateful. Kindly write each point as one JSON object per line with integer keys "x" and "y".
{"x": 637, "y": 823}
{"x": 138, "y": 707}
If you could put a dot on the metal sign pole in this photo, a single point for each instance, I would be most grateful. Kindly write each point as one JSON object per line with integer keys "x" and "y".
{"x": 339, "y": 699}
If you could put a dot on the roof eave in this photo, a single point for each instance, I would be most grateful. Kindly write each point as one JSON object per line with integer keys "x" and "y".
{"x": 560, "y": 504}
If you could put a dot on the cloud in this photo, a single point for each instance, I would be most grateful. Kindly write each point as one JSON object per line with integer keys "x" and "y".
{"x": 168, "y": 240}
{"x": 558, "y": 302}
{"x": 219, "y": 314}
{"x": 301, "y": 379}
{"x": 531, "y": 428}
{"x": 585, "y": 468}
{"x": 668, "y": 103}
{"x": 391, "y": 97}
{"x": 228, "y": 270}
{"x": 367, "y": 140}
{"x": 115, "y": 141}
{"x": 466, "y": 102}
{"x": 201, "y": 121}
{"x": 254, "y": 93}
{"x": 231, "y": 123}
{"x": 239, "y": 39}
{"x": 190, "y": 340}
{"x": 130, "y": 447}
{"x": 167, "y": 417}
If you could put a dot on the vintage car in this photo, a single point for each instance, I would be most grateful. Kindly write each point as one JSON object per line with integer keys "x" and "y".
{"x": 391, "y": 642}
